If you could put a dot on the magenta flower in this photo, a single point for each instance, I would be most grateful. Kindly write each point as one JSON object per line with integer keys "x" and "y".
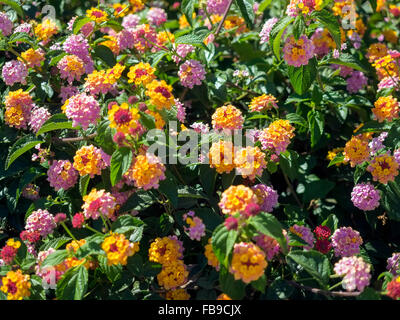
{"x": 14, "y": 71}
{"x": 41, "y": 221}
{"x": 191, "y": 73}
{"x": 365, "y": 197}
{"x": 83, "y": 110}
{"x": 196, "y": 228}
{"x": 346, "y": 242}
{"x": 304, "y": 233}
{"x": 156, "y": 16}
{"x": 6, "y": 24}
{"x": 38, "y": 117}
{"x": 62, "y": 175}
{"x": 267, "y": 197}
{"x": 266, "y": 29}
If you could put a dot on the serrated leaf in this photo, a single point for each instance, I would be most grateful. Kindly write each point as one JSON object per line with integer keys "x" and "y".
{"x": 16, "y": 5}
{"x": 223, "y": 241}
{"x": 314, "y": 263}
{"x": 267, "y": 224}
{"x": 79, "y": 23}
{"x": 23, "y": 145}
{"x": 121, "y": 160}
{"x": 247, "y": 11}
{"x": 302, "y": 77}
{"x": 58, "y": 121}
{"x": 276, "y": 34}
{"x": 188, "y": 9}
{"x": 73, "y": 284}
{"x": 83, "y": 184}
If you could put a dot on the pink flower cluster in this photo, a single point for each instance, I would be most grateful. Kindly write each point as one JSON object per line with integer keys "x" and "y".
{"x": 14, "y": 71}
{"x": 356, "y": 273}
{"x": 267, "y": 197}
{"x": 304, "y": 233}
{"x": 156, "y": 16}
{"x": 346, "y": 242}
{"x": 268, "y": 244}
{"x": 38, "y": 117}
{"x": 99, "y": 202}
{"x": 298, "y": 52}
{"x": 62, "y": 175}
{"x": 130, "y": 21}
{"x": 266, "y": 29}
{"x": 66, "y": 70}
{"x": 393, "y": 263}
{"x": 196, "y": 228}
{"x": 182, "y": 51}
{"x": 191, "y": 73}
{"x": 144, "y": 36}
{"x": 356, "y": 82}
{"x": 68, "y": 92}
{"x": 365, "y": 197}
{"x": 40, "y": 221}
{"x": 83, "y": 110}
{"x": 6, "y": 24}
{"x": 376, "y": 144}
{"x": 180, "y": 111}
{"x": 217, "y": 6}
{"x": 79, "y": 46}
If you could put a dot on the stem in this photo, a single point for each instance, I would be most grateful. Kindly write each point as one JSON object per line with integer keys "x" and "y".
{"x": 223, "y": 19}
{"x": 66, "y": 229}
{"x": 104, "y": 222}
{"x": 324, "y": 292}
{"x": 92, "y": 229}
{"x": 335, "y": 285}
{"x": 292, "y": 190}
{"x": 77, "y": 139}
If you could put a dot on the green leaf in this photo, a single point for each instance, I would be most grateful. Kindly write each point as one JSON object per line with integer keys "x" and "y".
{"x": 347, "y": 60}
{"x": 22, "y": 37}
{"x": 193, "y": 39}
{"x": 140, "y": 200}
{"x": 92, "y": 246}
{"x": 105, "y": 54}
{"x": 317, "y": 189}
{"x": 58, "y": 121}
{"x": 279, "y": 290}
{"x": 233, "y": 288}
{"x": 112, "y": 272}
{"x": 169, "y": 188}
{"x": 267, "y": 224}
{"x": 339, "y": 158}
{"x": 316, "y": 125}
{"x": 331, "y": 222}
{"x": 276, "y": 34}
{"x": 359, "y": 172}
{"x": 264, "y": 5}
{"x": 147, "y": 120}
{"x": 302, "y": 77}
{"x": 121, "y": 160}
{"x": 223, "y": 241}
{"x": 55, "y": 258}
{"x": 113, "y": 24}
{"x": 296, "y": 119}
{"x": 16, "y": 5}
{"x": 298, "y": 27}
{"x": 83, "y": 184}
{"x": 247, "y": 11}
{"x": 369, "y": 294}
{"x": 22, "y": 145}
{"x": 55, "y": 243}
{"x": 73, "y": 284}
{"x": 260, "y": 284}
{"x": 126, "y": 223}
{"x": 314, "y": 263}
{"x": 57, "y": 59}
{"x": 207, "y": 178}
{"x": 79, "y": 23}
{"x": 329, "y": 21}
{"x": 188, "y": 9}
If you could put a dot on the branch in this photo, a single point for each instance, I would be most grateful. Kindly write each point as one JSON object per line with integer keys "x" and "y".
{"x": 324, "y": 292}
{"x": 77, "y": 139}
{"x": 223, "y": 19}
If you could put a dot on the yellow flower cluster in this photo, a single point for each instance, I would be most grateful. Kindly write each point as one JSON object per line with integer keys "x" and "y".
{"x": 263, "y": 103}
{"x": 356, "y": 150}
{"x": 376, "y": 50}
{"x": 112, "y": 44}
{"x": 120, "y": 10}
{"x": 118, "y": 249}
{"x": 384, "y": 168}
{"x": 223, "y": 296}
{"x": 97, "y": 15}
{"x": 141, "y": 73}
{"x": 177, "y": 294}
{"x": 123, "y": 119}
{"x": 136, "y": 5}
{"x": 212, "y": 259}
{"x": 164, "y": 37}
{"x": 386, "y": 108}
{"x": 88, "y": 161}
{"x": 236, "y": 199}
{"x": 277, "y": 136}
{"x": 227, "y": 117}
{"x": 74, "y": 245}
{"x": 160, "y": 94}
{"x": 221, "y": 156}
{"x": 15, "y": 116}
{"x": 248, "y": 262}
{"x": 386, "y": 67}
{"x": 250, "y": 162}
{"x": 160, "y": 123}
{"x": 18, "y": 98}
{"x": 45, "y": 30}
{"x": 32, "y": 58}
{"x": 16, "y": 285}
{"x": 165, "y": 250}
{"x": 168, "y": 252}
{"x": 183, "y": 23}
{"x": 12, "y": 243}
{"x": 146, "y": 171}
{"x": 173, "y": 275}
